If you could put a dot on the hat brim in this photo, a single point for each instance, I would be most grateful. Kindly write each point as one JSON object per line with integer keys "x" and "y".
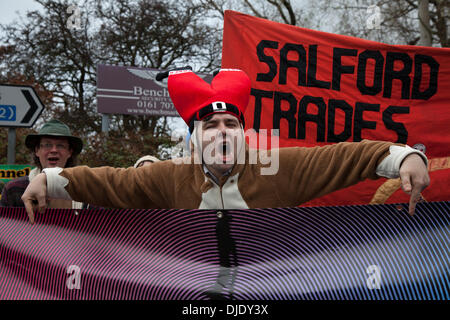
{"x": 33, "y": 139}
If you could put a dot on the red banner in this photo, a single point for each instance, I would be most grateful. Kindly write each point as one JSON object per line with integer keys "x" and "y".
{"x": 320, "y": 88}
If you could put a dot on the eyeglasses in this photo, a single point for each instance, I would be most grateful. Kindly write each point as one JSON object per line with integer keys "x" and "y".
{"x": 49, "y": 146}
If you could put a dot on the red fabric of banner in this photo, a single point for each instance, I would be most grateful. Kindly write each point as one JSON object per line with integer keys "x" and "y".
{"x": 319, "y": 88}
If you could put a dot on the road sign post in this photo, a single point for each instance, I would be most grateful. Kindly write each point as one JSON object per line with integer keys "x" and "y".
{"x": 11, "y": 145}
{"x": 20, "y": 106}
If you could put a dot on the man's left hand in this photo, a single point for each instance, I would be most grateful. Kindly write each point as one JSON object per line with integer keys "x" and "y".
{"x": 414, "y": 177}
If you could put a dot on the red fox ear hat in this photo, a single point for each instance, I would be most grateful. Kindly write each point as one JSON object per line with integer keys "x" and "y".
{"x": 195, "y": 99}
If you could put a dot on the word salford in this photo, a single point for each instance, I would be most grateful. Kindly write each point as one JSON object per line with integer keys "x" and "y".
{"x": 386, "y": 70}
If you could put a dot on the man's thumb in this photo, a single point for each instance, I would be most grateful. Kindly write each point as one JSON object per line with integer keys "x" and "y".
{"x": 42, "y": 204}
{"x": 406, "y": 183}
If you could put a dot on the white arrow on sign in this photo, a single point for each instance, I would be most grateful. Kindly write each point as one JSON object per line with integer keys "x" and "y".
{"x": 20, "y": 106}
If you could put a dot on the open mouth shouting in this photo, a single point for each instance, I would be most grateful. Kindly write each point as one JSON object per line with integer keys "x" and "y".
{"x": 53, "y": 161}
{"x": 225, "y": 152}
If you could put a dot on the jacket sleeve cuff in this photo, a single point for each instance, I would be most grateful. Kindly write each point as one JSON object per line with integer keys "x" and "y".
{"x": 390, "y": 166}
{"x": 56, "y": 184}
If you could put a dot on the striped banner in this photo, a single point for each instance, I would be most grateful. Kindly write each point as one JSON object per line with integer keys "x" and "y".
{"x": 366, "y": 252}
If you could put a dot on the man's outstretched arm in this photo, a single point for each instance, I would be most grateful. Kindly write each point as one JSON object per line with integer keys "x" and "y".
{"x": 106, "y": 187}
{"x": 308, "y": 173}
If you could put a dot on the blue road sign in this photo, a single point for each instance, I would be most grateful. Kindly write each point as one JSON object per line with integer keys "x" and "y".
{"x": 7, "y": 112}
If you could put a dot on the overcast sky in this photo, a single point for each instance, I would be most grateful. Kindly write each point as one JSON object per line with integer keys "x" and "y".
{"x": 9, "y": 9}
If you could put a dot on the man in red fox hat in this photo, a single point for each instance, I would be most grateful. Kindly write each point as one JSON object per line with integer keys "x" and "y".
{"x": 220, "y": 174}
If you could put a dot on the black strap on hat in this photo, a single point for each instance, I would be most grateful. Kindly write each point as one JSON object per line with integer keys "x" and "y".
{"x": 160, "y": 76}
{"x": 216, "y": 107}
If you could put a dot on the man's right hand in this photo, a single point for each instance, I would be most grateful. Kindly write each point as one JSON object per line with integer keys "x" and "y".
{"x": 35, "y": 196}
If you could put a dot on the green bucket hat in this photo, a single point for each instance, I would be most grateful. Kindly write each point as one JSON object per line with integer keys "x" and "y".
{"x": 54, "y": 128}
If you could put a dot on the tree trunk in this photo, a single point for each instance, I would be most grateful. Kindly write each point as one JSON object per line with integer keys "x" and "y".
{"x": 424, "y": 24}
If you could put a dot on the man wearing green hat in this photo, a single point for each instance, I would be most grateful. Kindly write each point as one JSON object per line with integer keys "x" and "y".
{"x": 53, "y": 146}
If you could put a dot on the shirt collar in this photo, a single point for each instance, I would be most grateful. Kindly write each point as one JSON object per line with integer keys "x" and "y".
{"x": 210, "y": 175}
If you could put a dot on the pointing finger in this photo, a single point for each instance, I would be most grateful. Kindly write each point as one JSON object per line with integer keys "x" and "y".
{"x": 30, "y": 210}
{"x": 415, "y": 196}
